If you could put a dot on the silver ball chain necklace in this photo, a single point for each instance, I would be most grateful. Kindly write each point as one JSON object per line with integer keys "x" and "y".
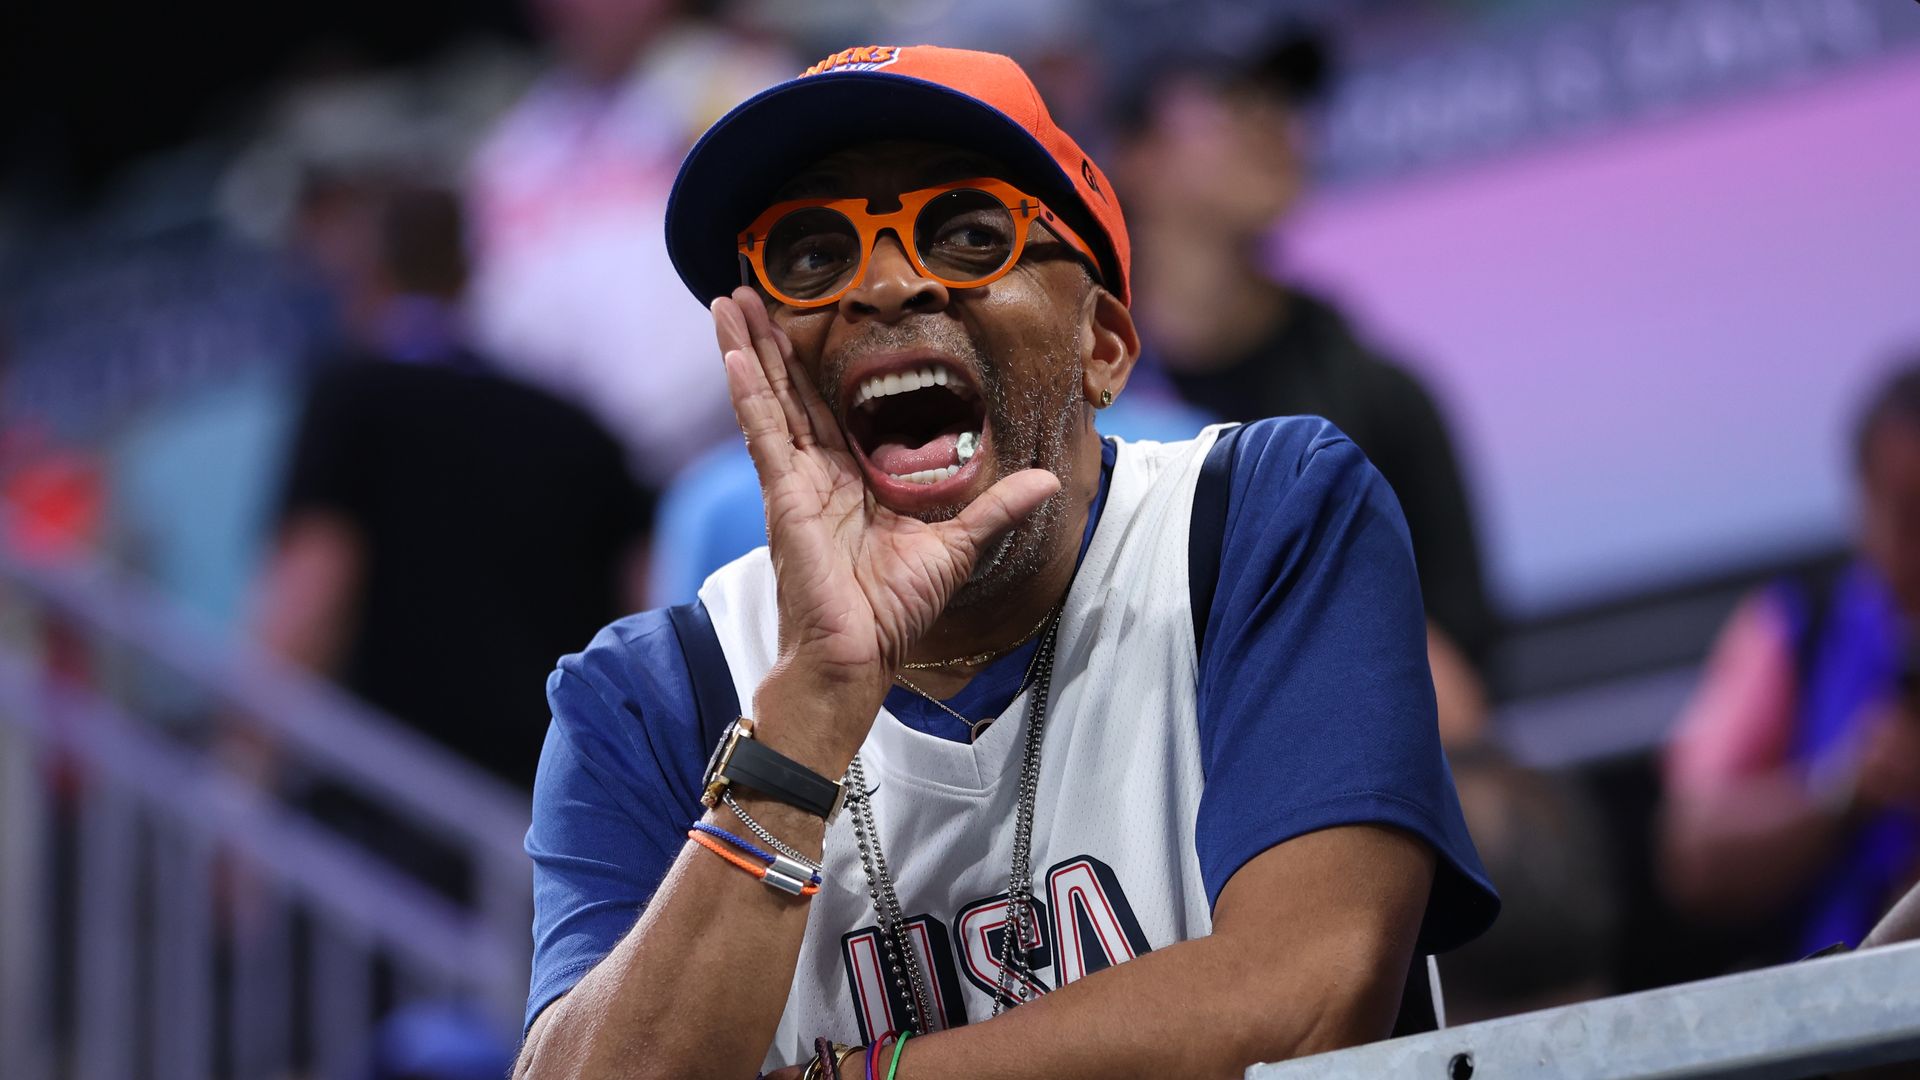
{"x": 903, "y": 961}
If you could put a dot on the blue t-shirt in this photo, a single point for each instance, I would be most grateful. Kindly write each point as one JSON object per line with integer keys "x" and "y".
{"x": 1314, "y": 592}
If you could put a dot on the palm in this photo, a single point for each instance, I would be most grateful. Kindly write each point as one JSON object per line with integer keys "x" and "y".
{"x": 858, "y": 583}
{"x": 865, "y": 580}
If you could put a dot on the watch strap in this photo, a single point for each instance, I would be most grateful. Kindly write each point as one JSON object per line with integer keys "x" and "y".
{"x": 778, "y": 776}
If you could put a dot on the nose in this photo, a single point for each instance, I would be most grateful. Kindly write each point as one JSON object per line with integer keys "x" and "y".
{"x": 892, "y": 287}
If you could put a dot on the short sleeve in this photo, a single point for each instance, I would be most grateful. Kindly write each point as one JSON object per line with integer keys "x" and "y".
{"x": 617, "y": 786}
{"x": 1739, "y": 722}
{"x": 1316, "y": 705}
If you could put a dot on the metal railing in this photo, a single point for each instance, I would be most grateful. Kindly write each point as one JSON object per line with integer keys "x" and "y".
{"x": 1840, "y": 1012}
{"x": 165, "y": 913}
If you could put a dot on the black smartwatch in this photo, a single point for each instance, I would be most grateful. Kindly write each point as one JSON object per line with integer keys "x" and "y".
{"x": 741, "y": 759}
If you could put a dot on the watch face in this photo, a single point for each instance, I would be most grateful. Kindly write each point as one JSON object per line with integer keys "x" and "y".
{"x": 719, "y": 751}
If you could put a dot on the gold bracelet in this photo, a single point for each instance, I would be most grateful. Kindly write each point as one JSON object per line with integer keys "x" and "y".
{"x": 817, "y": 1068}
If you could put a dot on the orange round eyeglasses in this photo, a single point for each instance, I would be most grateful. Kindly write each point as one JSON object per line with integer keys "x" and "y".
{"x": 964, "y": 234}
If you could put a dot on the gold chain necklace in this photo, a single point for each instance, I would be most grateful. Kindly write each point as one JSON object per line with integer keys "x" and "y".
{"x": 983, "y": 657}
{"x": 975, "y": 727}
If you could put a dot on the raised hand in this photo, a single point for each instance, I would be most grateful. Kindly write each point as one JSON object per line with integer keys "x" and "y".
{"x": 858, "y": 583}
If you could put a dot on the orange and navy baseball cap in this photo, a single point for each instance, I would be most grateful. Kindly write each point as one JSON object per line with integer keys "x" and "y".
{"x": 977, "y": 101}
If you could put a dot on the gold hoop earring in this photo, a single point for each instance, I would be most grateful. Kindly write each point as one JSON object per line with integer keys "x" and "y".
{"x": 1106, "y": 398}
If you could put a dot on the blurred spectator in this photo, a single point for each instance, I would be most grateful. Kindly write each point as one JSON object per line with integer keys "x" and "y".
{"x": 160, "y": 326}
{"x": 445, "y": 533}
{"x": 573, "y": 288}
{"x": 1211, "y": 160}
{"x": 1546, "y": 848}
{"x": 1794, "y": 779}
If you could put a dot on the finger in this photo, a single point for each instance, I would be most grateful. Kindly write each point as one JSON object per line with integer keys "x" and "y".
{"x": 760, "y": 329}
{"x": 1003, "y": 505}
{"x": 729, "y": 325}
{"x": 761, "y": 419}
{"x": 826, "y": 426}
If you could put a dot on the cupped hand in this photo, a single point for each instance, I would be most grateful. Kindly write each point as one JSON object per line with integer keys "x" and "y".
{"x": 858, "y": 584}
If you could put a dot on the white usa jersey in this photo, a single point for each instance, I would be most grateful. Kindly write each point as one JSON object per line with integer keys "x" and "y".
{"x": 1162, "y": 772}
{"x": 1113, "y": 856}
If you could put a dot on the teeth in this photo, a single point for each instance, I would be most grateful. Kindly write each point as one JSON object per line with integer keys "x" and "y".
{"x": 964, "y": 446}
{"x": 903, "y": 382}
{"x": 927, "y": 476}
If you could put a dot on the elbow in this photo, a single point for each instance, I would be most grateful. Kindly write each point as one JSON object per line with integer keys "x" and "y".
{"x": 531, "y": 1064}
{"x": 543, "y": 1055}
{"x": 1330, "y": 1021}
{"x": 1351, "y": 1004}
{"x": 562, "y": 1045}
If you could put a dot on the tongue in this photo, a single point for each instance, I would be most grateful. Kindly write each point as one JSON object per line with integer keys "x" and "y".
{"x": 896, "y": 457}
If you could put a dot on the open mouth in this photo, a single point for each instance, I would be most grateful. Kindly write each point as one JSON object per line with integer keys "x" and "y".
{"x": 921, "y": 425}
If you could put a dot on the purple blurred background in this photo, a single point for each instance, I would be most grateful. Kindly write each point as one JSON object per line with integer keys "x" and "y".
{"x": 1654, "y": 337}
{"x": 312, "y": 317}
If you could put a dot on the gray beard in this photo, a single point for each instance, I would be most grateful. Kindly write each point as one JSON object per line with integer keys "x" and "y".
{"x": 1047, "y": 436}
{"x": 1033, "y": 427}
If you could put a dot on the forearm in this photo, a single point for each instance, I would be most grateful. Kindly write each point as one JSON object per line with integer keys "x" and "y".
{"x": 1264, "y": 986}
{"x": 696, "y": 988}
{"x": 305, "y": 605}
{"x": 1747, "y": 848}
{"x": 1203, "y": 1008}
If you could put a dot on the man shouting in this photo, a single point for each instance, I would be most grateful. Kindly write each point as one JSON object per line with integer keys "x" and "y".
{"x": 1017, "y": 752}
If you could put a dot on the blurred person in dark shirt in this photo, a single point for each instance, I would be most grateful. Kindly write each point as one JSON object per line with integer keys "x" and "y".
{"x": 444, "y": 532}
{"x": 1793, "y": 780}
{"x": 1212, "y": 160}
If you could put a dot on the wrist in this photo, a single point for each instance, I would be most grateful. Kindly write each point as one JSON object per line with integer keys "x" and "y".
{"x": 819, "y": 724}
{"x": 804, "y": 832}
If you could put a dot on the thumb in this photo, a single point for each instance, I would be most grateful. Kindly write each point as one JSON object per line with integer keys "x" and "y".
{"x": 1003, "y": 505}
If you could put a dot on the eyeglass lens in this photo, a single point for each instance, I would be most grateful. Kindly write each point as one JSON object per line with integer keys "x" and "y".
{"x": 961, "y": 235}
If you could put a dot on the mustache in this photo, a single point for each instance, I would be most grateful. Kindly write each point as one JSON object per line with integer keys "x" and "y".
{"x": 944, "y": 338}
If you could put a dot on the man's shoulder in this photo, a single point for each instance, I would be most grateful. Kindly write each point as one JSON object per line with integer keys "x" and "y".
{"x": 625, "y": 705}
{"x": 1280, "y": 448}
{"x": 1282, "y": 464}
{"x": 1264, "y": 446}
{"x": 1292, "y": 475}
{"x": 634, "y": 664}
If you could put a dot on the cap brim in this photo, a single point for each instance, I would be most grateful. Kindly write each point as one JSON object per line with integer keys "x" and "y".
{"x": 737, "y": 167}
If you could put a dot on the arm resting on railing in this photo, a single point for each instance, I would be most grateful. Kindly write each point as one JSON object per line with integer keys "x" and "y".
{"x": 1310, "y": 946}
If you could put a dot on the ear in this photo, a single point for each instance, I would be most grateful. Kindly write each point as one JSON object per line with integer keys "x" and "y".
{"x": 1109, "y": 345}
